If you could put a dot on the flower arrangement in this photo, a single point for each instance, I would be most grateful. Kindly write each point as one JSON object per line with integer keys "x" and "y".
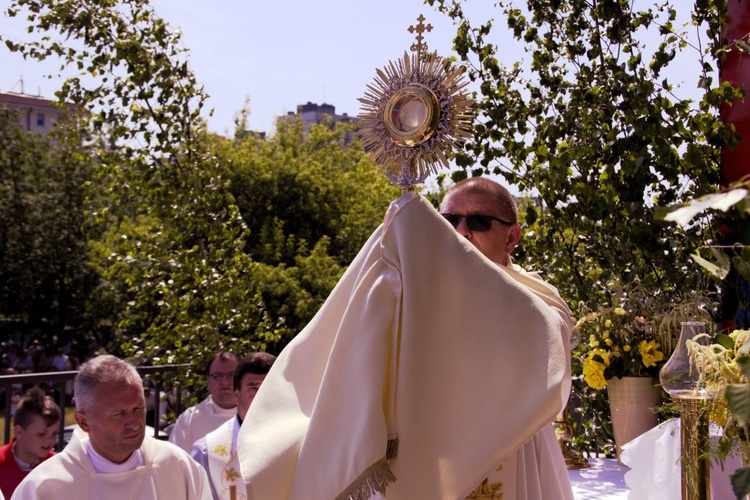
{"x": 611, "y": 336}
{"x": 618, "y": 343}
{"x": 637, "y": 334}
{"x": 721, "y": 365}
{"x": 724, "y": 367}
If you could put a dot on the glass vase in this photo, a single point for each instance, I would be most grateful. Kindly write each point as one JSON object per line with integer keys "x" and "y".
{"x": 684, "y": 384}
{"x": 677, "y": 376}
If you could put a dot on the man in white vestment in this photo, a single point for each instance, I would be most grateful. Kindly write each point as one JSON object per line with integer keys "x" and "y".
{"x": 220, "y": 405}
{"x": 217, "y": 452}
{"x": 485, "y": 214}
{"x": 432, "y": 362}
{"x": 110, "y": 455}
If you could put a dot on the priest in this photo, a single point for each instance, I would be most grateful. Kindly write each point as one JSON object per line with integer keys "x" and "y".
{"x": 218, "y": 407}
{"x": 110, "y": 456}
{"x": 431, "y": 363}
{"x": 485, "y": 214}
{"x": 217, "y": 452}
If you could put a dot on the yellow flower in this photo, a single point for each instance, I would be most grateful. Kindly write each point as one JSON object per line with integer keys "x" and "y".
{"x": 619, "y": 311}
{"x": 601, "y": 353}
{"x": 650, "y": 352}
{"x": 608, "y": 342}
{"x": 608, "y": 323}
{"x": 593, "y": 374}
{"x": 626, "y": 348}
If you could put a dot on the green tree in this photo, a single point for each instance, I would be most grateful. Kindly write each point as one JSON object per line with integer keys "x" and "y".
{"x": 310, "y": 200}
{"x": 206, "y": 243}
{"x": 303, "y": 185}
{"x": 594, "y": 125}
{"x": 45, "y": 279}
{"x": 173, "y": 233}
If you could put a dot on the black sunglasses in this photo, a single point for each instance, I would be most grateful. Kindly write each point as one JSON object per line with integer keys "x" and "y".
{"x": 476, "y": 222}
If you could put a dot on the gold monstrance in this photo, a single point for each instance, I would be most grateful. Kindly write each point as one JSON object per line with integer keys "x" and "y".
{"x": 414, "y": 113}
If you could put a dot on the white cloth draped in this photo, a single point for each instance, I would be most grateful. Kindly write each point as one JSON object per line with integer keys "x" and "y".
{"x": 654, "y": 461}
{"x": 168, "y": 472}
{"x": 197, "y": 421}
{"x": 223, "y": 462}
{"x": 424, "y": 342}
{"x": 536, "y": 471}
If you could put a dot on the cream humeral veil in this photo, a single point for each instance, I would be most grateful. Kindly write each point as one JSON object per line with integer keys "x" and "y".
{"x": 426, "y": 367}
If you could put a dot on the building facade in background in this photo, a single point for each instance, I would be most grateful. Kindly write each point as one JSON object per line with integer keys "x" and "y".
{"x": 311, "y": 113}
{"x": 35, "y": 113}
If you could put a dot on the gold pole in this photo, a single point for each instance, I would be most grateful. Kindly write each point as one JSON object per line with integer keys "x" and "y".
{"x": 694, "y": 458}
{"x": 564, "y": 432}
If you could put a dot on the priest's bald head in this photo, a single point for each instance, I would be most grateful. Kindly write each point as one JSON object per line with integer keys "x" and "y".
{"x": 110, "y": 407}
{"x": 485, "y": 213}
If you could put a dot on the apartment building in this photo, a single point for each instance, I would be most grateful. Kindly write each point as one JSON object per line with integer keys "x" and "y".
{"x": 35, "y": 113}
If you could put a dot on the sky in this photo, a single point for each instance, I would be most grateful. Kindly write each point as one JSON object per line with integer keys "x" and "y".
{"x": 284, "y": 53}
{"x": 279, "y": 54}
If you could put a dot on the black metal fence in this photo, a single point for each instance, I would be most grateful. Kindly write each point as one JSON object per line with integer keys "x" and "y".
{"x": 57, "y": 381}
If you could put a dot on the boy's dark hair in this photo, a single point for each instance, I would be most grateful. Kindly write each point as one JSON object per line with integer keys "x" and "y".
{"x": 257, "y": 362}
{"x": 34, "y": 403}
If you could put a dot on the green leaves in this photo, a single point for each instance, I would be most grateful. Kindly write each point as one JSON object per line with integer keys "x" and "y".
{"x": 723, "y": 201}
{"x": 591, "y": 124}
{"x": 45, "y": 279}
{"x": 720, "y": 266}
{"x": 196, "y": 243}
{"x": 738, "y": 395}
{"x": 741, "y": 482}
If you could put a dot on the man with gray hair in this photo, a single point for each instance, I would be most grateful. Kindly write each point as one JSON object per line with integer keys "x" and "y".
{"x": 110, "y": 455}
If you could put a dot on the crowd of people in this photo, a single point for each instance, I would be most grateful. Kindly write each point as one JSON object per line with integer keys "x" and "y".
{"x": 402, "y": 386}
{"x": 37, "y": 357}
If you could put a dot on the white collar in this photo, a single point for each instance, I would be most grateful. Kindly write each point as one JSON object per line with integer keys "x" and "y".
{"x": 104, "y": 466}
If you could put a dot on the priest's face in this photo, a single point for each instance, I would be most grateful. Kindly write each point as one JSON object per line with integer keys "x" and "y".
{"x": 117, "y": 423}
{"x": 248, "y": 389}
{"x": 36, "y": 440}
{"x": 499, "y": 240}
{"x": 221, "y": 381}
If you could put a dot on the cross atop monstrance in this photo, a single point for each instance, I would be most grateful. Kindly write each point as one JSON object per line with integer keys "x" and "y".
{"x": 420, "y": 28}
{"x": 415, "y": 114}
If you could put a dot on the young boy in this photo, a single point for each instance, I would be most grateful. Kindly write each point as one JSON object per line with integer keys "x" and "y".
{"x": 35, "y": 425}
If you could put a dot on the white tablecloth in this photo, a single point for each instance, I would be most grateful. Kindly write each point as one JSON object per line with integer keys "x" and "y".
{"x": 656, "y": 474}
{"x": 603, "y": 479}
{"x": 655, "y": 460}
